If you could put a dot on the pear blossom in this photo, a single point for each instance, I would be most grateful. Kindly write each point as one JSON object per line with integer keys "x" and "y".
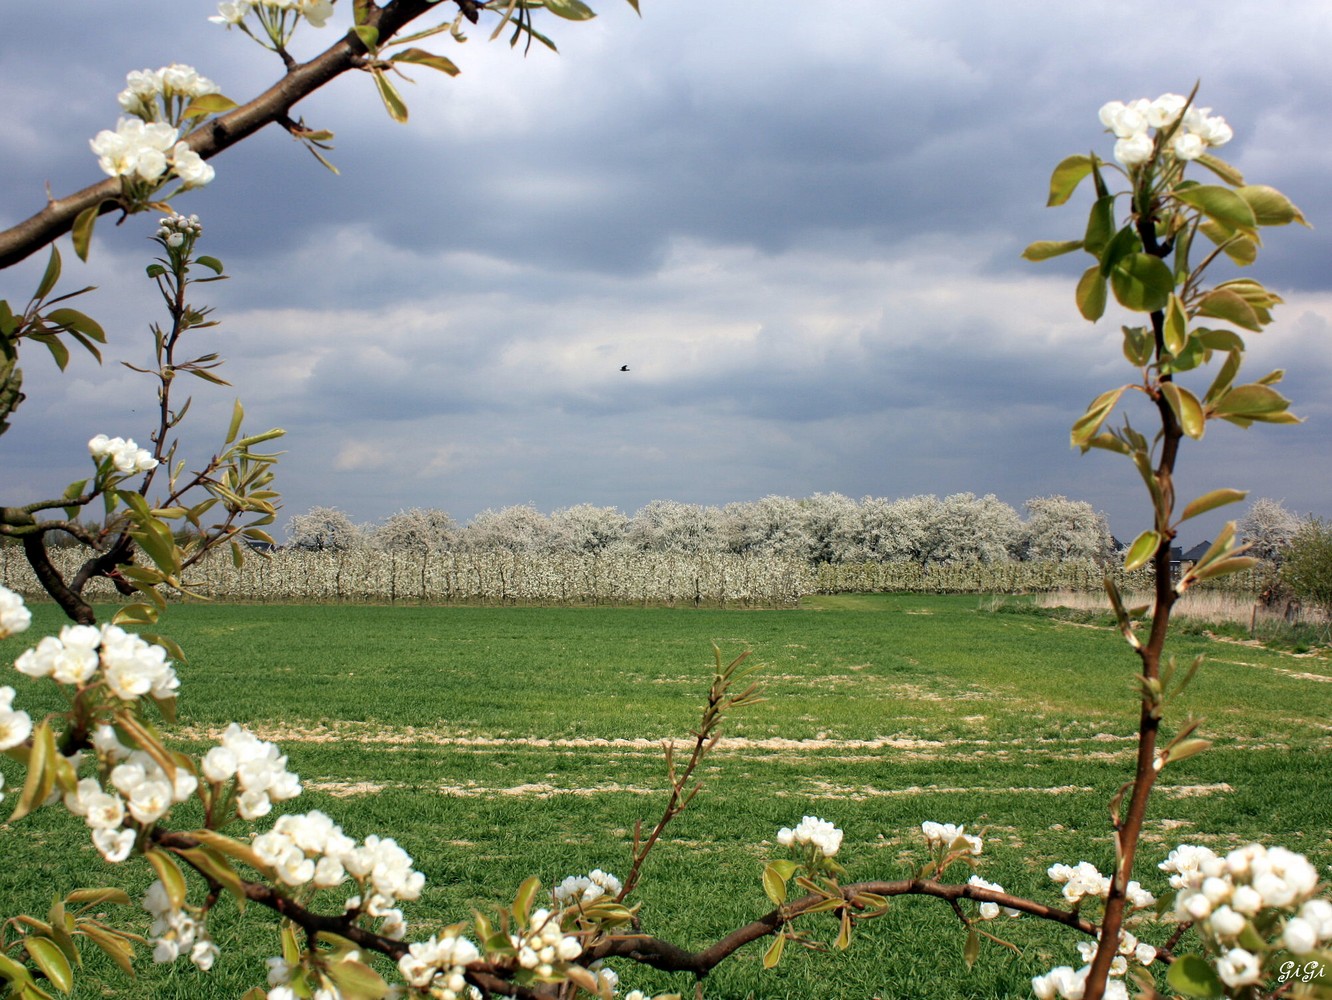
{"x": 136, "y": 149}
{"x": 14, "y": 615}
{"x": 15, "y": 726}
{"x": 587, "y": 888}
{"x": 126, "y": 457}
{"x": 444, "y": 957}
{"x": 1238, "y": 967}
{"x": 947, "y": 837}
{"x": 819, "y": 833}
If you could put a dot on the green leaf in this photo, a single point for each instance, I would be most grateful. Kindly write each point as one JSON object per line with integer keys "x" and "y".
{"x": 1219, "y": 203}
{"x": 216, "y": 867}
{"x": 570, "y": 10}
{"x": 82, "y": 230}
{"x": 971, "y": 950}
{"x": 1142, "y": 549}
{"x": 393, "y": 101}
{"x": 369, "y": 37}
{"x": 1252, "y": 401}
{"x": 1270, "y": 206}
{"x": 423, "y": 58}
{"x": 1066, "y": 178}
{"x": 1176, "y": 325}
{"x": 1188, "y": 411}
{"x": 41, "y": 774}
{"x": 117, "y": 948}
{"x": 51, "y": 276}
{"x": 1138, "y": 345}
{"x": 1045, "y": 249}
{"x": 58, "y": 350}
{"x": 209, "y": 104}
{"x": 1090, "y": 422}
{"x": 522, "y": 902}
{"x": 774, "y": 886}
{"x": 1222, "y": 169}
{"x": 356, "y": 980}
{"x": 48, "y": 957}
{"x": 99, "y": 896}
{"x": 1222, "y": 567}
{"x": 170, "y": 874}
{"x": 212, "y": 263}
{"x": 1100, "y": 225}
{"x": 1222, "y": 303}
{"x": 774, "y": 953}
{"x": 1124, "y": 243}
{"x": 1142, "y": 282}
{"x": 72, "y": 319}
{"x": 1193, "y": 976}
{"x": 1211, "y": 501}
{"x": 1091, "y": 294}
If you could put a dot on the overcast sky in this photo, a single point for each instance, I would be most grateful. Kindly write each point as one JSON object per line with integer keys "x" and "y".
{"x": 798, "y": 225}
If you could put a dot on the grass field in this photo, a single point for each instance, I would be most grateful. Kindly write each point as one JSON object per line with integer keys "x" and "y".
{"x": 495, "y": 743}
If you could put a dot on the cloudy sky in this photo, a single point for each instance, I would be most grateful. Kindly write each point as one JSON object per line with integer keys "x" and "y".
{"x": 799, "y": 225}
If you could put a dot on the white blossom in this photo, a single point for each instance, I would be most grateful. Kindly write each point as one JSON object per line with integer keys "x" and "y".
{"x": 14, "y": 615}
{"x": 1238, "y": 967}
{"x": 15, "y": 726}
{"x": 813, "y": 831}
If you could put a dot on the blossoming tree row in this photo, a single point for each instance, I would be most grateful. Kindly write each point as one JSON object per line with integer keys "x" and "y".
{"x": 105, "y": 760}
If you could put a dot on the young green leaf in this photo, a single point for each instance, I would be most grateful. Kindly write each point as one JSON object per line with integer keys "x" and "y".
{"x": 1142, "y": 282}
{"x": 1045, "y": 249}
{"x": 1066, "y": 178}
{"x": 1091, "y": 294}
{"x": 1142, "y": 549}
{"x": 1193, "y": 976}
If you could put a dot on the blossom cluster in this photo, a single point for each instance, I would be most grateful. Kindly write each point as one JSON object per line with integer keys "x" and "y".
{"x": 1192, "y": 131}
{"x": 126, "y": 457}
{"x": 174, "y": 86}
{"x": 1085, "y": 879}
{"x": 130, "y": 667}
{"x": 177, "y": 230}
{"x": 947, "y": 837}
{"x": 440, "y": 958}
{"x": 149, "y": 152}
{"x": 1069, "y": 983}
{"x": 310, "y": 849}
{"x": 175, "y": 932}
{"x": 811, "y": 830}
{"x": 1222, "y": 895}
{"x": 545, "y": 944}
{"x": 259, "y": 768}
{"x": 14, "y": 614}
{"x": 587, "y": 888}
{"x": 233, "y": 12}
{"x": 988, "y": 911}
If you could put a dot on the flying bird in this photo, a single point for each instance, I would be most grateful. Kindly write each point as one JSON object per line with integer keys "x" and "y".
{"x": 624, "y": 368}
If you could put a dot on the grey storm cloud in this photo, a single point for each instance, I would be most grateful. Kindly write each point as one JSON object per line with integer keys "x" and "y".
{"x": 799, "y": 227}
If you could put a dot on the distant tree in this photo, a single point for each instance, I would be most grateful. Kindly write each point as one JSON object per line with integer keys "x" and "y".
{"x": 672, "y": 526}
{"x": 417, "y": 530}
{"x": 324, "y": 529}
{"x": 1306, "y": 564}
{"x": 586, "y": 528}
{"x": 521, "y": 528}
{"x": 1268, "y": 528}
{"x": 898, "y": 529}
{"x": 831, "y": 525}
{"x": 1058, "y": 529}
{"x": 768, "y": 526}
{"x": 971, "y": 529}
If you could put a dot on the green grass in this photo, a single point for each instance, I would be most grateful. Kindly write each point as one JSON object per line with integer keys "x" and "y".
{"x": 468, "y": 734}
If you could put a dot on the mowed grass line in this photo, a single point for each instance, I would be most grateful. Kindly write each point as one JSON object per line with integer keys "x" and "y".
{"x": 495, "y": 743}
